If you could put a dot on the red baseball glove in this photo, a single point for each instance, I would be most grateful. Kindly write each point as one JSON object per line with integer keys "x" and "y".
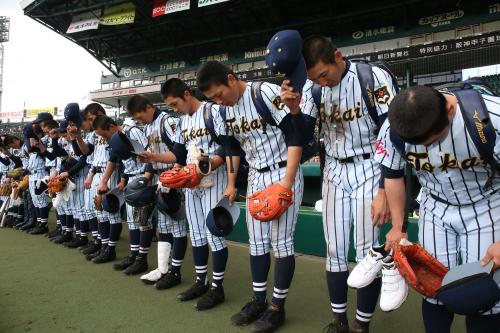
{"x": 269, "y": 203}
{"x": 187, "y": 176}
{"x": 421, "y": 270}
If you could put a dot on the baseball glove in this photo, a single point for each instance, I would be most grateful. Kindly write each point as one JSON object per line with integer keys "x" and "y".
{"x": 187, "y": 176}
{"x": 24, "y": 183}
{"x": 421, "y": 270}
{"x": 98, "y": 202}
{"x": 57, "y": 184}
{"x": 6, "y": 189}
{"x": 269, "y": 203}
{"x": 15, "y": 173}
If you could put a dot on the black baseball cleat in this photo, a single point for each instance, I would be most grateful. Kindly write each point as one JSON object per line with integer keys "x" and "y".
{"x": 336, "y": 326}
{"x": 66, "y": 237}
{"x": 92, "y": 255}
{"x": 357, "y": 328}
{"x": 54, "y": 233}
{"x": 126, "y": 262}
{"x": 10, "y": 221}
{"x": 169, "y": 280}
{"x": 269, "y": 321}
{"x": 92, "y": 247}
{"x": 140, "y": 265}
{"x": 106, "y": 255}
{"x": 77, "y": 242}
{"x": 39, "y": 229}
{"x": 213, "y": 297}
{"x": 250, "y": 312}
{"x": 196, "y": 290}
{"x": 20, "y": 224}
{"x": 31, "y": 224}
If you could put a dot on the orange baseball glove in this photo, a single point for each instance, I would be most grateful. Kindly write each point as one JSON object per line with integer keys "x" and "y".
{"x": 57, "y": 184}
{"x": 269, "y": 203}
{"x": 187, "y": 176}
{"x": 421, "y": 270}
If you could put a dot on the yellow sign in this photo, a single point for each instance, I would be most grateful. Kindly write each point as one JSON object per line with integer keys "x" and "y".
{"x": 33, "y": 113}
{"x": 121, "y": 14}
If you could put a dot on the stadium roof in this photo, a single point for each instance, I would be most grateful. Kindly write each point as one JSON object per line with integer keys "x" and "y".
{"x": 237, "y": 25}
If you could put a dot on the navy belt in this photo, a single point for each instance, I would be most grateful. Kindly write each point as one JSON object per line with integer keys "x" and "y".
{"x": 280, "y": 165}
{"x": 351, "y": 159}
{"x": 97, "y": 170}
{"x": 441, "y": 200}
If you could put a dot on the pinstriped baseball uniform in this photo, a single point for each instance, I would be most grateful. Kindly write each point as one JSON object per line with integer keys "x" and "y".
{"x": 349, "y": 187}
{"x": 36, "y": 167}
{"x": 65, "y": 207}
{"x": 89, "y": 193}
{"x": 451, "y": 170}
{"x": 200, "y": 201}
{"x": 47, "y": 142}
{"x": 134, "y": 168}
{"x": 263, "y": 150}
{"x": 156, "y": 145}
{"x": 100, "y": 160}
{"x": 3, "y": 171}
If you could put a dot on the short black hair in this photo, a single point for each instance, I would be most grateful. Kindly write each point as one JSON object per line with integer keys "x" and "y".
{"x": 213, "y": 72}
{"x": 318, "y": 48}
{"x": 9, "y": 139}
{"x": 138, "y": 103}
{"x": 103, "y": 122}
{"x": 418, "y": 113}
{"x": 94, "y": 109}
{"x": 51, "y": 124}
{"x": 174, "y": 87}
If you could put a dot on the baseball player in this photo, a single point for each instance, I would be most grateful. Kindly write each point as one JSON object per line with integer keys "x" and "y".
{"x": 192, "y": 135}
{"x": 351, "y": 193}
{"x": 140, "y": 236}
{"x": 459, "y": 207}
{"x": 270, "y": 162}
{"x": 86, "y": 146}
{"x": 160, "y": 132}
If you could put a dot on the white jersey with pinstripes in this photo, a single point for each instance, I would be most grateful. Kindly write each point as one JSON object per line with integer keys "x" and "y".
{"x": 451, "y": 168}
{"x": 47, "y": 142}
{"x": 263, "y": 148}
{"x": 89, "y": 139}
{"x": 192, "y": 131}
{"x": 153, "y": 134}
{"x": 101, "y": 152}
{"x": 133, "y": 165}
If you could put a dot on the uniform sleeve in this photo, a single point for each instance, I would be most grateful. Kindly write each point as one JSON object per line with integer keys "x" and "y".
{"x": 493, "y": 106}
{"x": 385, "y": 151}
{"x": 179, "y": 138}
{"x": 384, "y": 90}
{"x": 170, "y": 126}
{"x": 307, "y": 105}
{"x": 136, "y": 134}
{"x": 270, "y": 94}
{"x": 219, "y": 124}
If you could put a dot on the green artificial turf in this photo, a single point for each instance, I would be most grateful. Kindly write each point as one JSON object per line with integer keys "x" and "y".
{"x": 47, "y": 288}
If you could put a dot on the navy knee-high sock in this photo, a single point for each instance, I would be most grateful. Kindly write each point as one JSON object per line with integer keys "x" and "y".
{"x": 104, "y": 232}
{"x": 70, "y": 222}
{"x": 134, "y": 236}
{"x": 145, "y": 239}
{"x": 84, "y": 228}
{"x": 437, "y": 319}
{"x": 77, "y": 226}
{"x": 260, "y": 265}
{"x": 62, "y": 219}
{"x": 219, "y": 262}
{"x": 200, "y": 256}
{"x": 337, "y": 289}
{"x": 178, "y": 253}
{"x": 37, "y": 214}
{"x": 367, "y": 301}
{"x": 283, "y": 275}
{"x": 94, "y": 229}
{"x": 480, "y": 324}
{"x": 44, "y": 215}
{"x": 115, "y": 231}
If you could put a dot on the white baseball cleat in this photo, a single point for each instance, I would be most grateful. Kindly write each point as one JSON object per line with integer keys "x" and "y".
{"x": 367, "y": 269}
{"x": 394, "y": 287}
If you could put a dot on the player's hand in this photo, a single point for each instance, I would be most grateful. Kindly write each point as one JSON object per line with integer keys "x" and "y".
{"x": 121, "y": 185}
{"x": 88, "y": 181}
{"x": 394, "y": 236}
{"x": 286, "y": 183}
{"x": 53, "y": 134}
{"x": 380, "y": 209}
{"x": 231, "y": 192}
{"x": 103, "y": 188}
{"x": 146, "y": 156}
{"x": 73, "y": 131}
{"x": 289, "y": 97}
{"x": 63, "y": 175}
{"x": 493, "y": 253}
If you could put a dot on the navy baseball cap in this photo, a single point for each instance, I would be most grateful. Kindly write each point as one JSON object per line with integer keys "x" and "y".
{"x": 43, "y": 116}
{"x": 222, "y": 218}
{"x": 72, "y": 113}
{"x": 63, "y": 126}
{"x": 284, "y": 56}
{"x": 28, "y": 131}
{"x": 470, "y": 289}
